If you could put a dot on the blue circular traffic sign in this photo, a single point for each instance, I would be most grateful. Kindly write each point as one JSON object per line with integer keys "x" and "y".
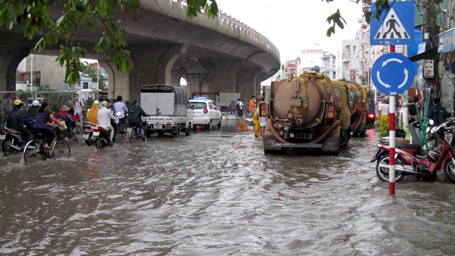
{"x": 392, "y": 73}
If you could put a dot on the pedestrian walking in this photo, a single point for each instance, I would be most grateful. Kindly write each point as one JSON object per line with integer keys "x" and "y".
{"x": 252, "y": 104}
{"x": 239, "y": 108}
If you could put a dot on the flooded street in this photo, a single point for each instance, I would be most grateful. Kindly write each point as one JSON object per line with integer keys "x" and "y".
{"x": 216, "y": 193}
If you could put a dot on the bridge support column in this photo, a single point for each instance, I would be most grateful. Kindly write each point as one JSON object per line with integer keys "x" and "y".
{"x": 10, "y": 57}
{"x": 197, "y": 82}
{"x": 118, "y": 82}
{"x": 249, "y": 83}
{"x": 153, "y": 65}
{"x": 222, "y": 75}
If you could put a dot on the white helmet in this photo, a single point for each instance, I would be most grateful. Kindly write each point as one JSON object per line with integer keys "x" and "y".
{"x": 96, "y": 102}
{"x": 35, "y": 103}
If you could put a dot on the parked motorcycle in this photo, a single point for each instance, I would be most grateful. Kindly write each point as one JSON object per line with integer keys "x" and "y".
{"x": 13, "y": 141}
{"x": 412, "y": 159}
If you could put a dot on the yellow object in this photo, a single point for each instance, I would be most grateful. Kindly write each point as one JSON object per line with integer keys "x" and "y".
{"x": 92, "y": 114}
{"x": 257, "y": 126}
{"x": 241, "y": 126}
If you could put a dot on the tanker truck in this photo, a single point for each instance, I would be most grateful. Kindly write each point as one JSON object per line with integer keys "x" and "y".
{"x": 358, "y": 107}
{"x": 307, "y": 112}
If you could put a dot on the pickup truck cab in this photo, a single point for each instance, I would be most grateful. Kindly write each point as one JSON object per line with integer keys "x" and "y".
{"x": 168, "y": 109}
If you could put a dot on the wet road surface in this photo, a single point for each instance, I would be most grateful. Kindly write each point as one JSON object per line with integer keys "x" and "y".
{"x": 216, "y": 193}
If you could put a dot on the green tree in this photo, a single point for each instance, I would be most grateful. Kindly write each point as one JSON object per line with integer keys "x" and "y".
{"x": 88, "y": 69}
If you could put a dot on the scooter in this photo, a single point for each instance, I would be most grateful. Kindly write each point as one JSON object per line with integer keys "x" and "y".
{"x": 100, "y": 137}
{"x": 412, "y": 159}
{"x": 12, "y": 143}
{"x": 87, "y": 132}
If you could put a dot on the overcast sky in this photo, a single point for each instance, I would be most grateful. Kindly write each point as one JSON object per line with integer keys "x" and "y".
{"x": 294, "y": 25}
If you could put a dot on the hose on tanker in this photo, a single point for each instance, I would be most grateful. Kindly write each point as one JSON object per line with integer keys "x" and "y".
{"x": 357, "y": 123}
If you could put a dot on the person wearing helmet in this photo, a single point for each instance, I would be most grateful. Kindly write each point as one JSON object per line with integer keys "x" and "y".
{"x": 17, "y": 120}
{"x": 33, "y": 109}
{"x": 92, "y": 113}
{"x": 104, "y": 120}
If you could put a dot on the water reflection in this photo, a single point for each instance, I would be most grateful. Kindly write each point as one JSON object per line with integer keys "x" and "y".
{"x": 216, "y": 193}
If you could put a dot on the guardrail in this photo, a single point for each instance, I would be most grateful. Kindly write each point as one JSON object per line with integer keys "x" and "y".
{"x": 233, "y": 27}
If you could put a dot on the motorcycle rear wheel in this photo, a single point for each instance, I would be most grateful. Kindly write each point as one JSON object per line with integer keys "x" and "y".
{"x": 383, "y": 172}
{"x": 7, "y": 150}
{"x": 449, "y": 170}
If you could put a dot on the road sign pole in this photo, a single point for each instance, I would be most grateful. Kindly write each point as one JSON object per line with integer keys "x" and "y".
{"x": 392, "y": 140}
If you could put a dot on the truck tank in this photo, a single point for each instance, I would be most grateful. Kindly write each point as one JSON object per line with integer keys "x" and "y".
{"x": 358, "y": 106}
{"x": 304, "y": 112}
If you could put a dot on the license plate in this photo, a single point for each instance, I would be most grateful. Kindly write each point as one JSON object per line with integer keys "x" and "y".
{"x": 85, "y": 136}
{"x": 157, "y": 126}
{"x": 95, "y": 134}
{"x": 2, "y": 136}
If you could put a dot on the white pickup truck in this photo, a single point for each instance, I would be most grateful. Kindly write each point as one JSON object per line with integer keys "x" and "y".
{"x": 168, "y": 109}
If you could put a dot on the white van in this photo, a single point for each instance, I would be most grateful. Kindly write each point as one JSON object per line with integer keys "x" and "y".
{"x": 168, "y": 109}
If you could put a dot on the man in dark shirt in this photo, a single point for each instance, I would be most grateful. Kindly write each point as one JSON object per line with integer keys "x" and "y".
{"x": 135, "y": 115}
{"x": 17, "y": 119}
{"x": 437, "y": 112}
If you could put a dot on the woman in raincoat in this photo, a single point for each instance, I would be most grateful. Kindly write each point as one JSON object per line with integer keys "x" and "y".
{"x": 92, "y": 114}
{"x": 257, "y": 127}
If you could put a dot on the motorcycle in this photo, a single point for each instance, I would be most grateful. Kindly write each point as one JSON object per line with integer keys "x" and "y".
{"x": 413, "y": 159}
{"x": 87, "y": 132}
{"x": 100, "y": 137}
{"x": 12, "y": 143}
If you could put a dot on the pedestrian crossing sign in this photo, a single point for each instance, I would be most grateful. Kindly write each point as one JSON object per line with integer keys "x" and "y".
{"x": 395, "y": 26}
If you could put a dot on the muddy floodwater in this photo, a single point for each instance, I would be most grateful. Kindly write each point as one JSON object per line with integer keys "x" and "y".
{"x": 216, "y": 193}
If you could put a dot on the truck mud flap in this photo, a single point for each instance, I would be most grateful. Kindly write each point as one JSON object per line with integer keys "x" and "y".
{"x": 332, "y": 142}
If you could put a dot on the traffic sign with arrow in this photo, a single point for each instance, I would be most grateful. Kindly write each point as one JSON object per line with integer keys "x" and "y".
{"x": 392, "y": 73}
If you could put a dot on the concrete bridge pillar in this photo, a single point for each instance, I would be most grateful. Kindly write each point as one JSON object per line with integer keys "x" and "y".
{"x": 249, "y": 83}
{"x": 197, "y": 82}
{"x": 153, "y": 65}
{"x": 10, "y": 57}
{"x": 222, "y": 75}
{"x": 118, "y": 82}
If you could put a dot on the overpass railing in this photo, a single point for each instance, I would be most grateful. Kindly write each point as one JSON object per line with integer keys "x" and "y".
{"x": 236, "y": 27}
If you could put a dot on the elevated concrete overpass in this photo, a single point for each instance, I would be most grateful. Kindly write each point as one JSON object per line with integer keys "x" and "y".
{"x": 220, "y": 54}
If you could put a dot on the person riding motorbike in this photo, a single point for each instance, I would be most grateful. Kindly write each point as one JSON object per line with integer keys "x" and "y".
{"x": 135, "y": 115}
{"x": 92, "y": 113}
{"x": 104, "y": 120}
{"x": 42, "y": 118}
{"x": 16, "y": 120}
{"x": 33, "y": 109}
{"x": 120, "y": 111}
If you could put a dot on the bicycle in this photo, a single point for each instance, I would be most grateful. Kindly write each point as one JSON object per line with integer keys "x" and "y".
{"x": 59, "y": 148}
{"x": 136, "y": 133}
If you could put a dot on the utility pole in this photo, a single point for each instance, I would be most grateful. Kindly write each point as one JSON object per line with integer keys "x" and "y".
{"x": 431, "y": 32}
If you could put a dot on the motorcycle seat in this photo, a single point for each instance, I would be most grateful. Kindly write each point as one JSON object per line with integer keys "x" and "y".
{"x": 11, "y": 130}
{"x": 400, "y": 143}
